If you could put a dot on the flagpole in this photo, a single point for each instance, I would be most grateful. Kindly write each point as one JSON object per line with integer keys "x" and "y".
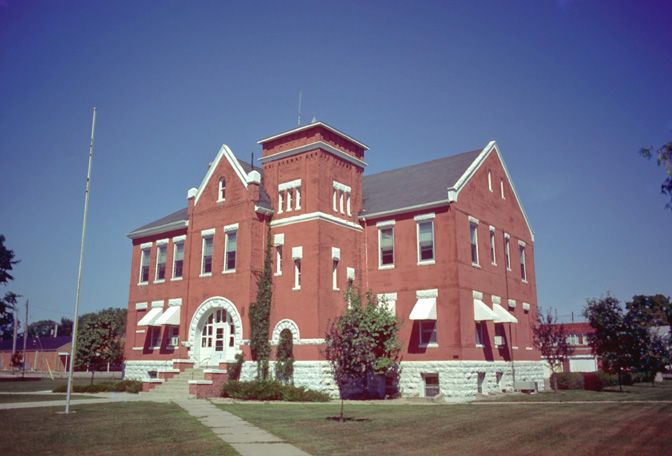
{"x": 73, "y": 348}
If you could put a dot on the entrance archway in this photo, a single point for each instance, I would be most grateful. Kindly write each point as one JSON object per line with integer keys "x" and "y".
{"x": 215, "y": 332}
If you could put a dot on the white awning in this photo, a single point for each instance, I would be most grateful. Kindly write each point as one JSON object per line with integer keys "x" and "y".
{"x": 502, "y": 315}
{"x": 482, "y": 311}
{"x": 169, "y": 317}
{"x": 424, "y": 309}
{"x": 151, "y": 317}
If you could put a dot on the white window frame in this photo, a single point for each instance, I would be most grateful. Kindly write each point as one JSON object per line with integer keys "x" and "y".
{"x": 334, "y": 275}
{"x": 501, "y": 188}
{"x": 288, "y": 197}
{"x": 227, "y": 234}
{"x": 479, "y": 334}
{"x": 383, "y": 226}
{"x": 221, "y": 187}
{"x": 490, "y": 181}
{"x": 298, "y": 198}
{"x": 161, "y": 245}
{"x": 523, "y": 261}
{"x": 493, "y": 247}
{"x": 474, "y": 223}
{"x": 147, "y": 247}
{"x": 177, "y": 241}
{"x": 507, "y": 250}
{"x": 347, "y": 205}
{"x": 334, "y": 200}
{"x": 278, "y": 260}
{"x": 205, "y": 235}
{"x": 420, "y": 219}
{"x": 433, "y": 340}
{"x": 297, "y": 274}
{"x": 280, "y": 202}
{"x": 155, "y": 344}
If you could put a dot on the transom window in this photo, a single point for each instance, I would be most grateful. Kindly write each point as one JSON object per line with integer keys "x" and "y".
{"x": 386, "y": 243}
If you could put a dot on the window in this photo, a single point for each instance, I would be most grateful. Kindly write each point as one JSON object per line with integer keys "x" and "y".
{"x": 473, "y": 236}
{"x": 507, "y": 251}
{"x": 297, "y": 274}
{"x": 178, "y": 260}
{"x": 341, "y": 198}
{"x": 298, "y": 198}
{"x": 154, "y": 336}
{"x": 334, "y": 275}
{"x": 493, "y": 254}
{"x": 347, "y": 204}
{"x": 426, "y": 241}
{"x": 206, "y": 261}
{"x": 386, "y": 243}
{"x": 144, "y": 264}
{"x": 489, "y": 180}
{"x": 334, "y": 199}
{"x": 230, "y": 251}
{"x": 289, "y": 201}
{"x": 501, "y": 188}
{"x": 278, "y": 260}
{"x": 427, "y": 333}
{"x": 480, "y": 333}
{"x": 173, "y": 336}
{"x": 289, "y": 196}
{"x": 523, "y": 270}
{"x": 341, "y": 203}
{"x": 161, "y": 251}
{"x": 279, "y": 202}
{"x": 221, "y": 192}
{"x": 431, "y": 384}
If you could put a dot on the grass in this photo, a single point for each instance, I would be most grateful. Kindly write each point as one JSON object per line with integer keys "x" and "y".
{"x": 134, "y": 428}
{"x": 636, "y": 392}
{"x": 566, "y": 429}
{"x": 43, "y": 384}
{"x": 11, "y": 398}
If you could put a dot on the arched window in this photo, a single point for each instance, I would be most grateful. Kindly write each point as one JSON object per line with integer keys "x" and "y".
{"x": 221, "y": 194}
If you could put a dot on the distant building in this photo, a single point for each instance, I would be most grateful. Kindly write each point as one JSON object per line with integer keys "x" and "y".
{"x": 446, "y": 244}
{"x": 42, "y": 353}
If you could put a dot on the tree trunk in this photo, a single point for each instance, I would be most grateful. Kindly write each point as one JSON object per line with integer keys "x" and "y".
{"x": 555, "y": 383}
{"x": 93, "y": 372}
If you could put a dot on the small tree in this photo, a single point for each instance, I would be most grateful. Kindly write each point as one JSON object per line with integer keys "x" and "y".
{"x": 100, "y": 339}
{"x": 663, "y": 156}
{"x": 361, "y": 343}
{"x": 284, "y": 365}
{"x": 7, "y": 302}
{"x": 260, "y": 313}
{"x": 551, "y": 340}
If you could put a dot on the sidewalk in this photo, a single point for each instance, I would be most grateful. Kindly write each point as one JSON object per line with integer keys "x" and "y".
{"x": 248, "y": 440}
{"x": 109, "y": 397}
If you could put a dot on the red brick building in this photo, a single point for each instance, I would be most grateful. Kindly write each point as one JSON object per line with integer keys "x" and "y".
{"x": 446, "y": 242}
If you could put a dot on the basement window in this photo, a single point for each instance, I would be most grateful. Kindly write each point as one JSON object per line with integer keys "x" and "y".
{"x": 432, "y": 386}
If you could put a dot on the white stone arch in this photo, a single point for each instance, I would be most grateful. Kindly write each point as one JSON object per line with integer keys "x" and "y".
{"x": 198, "y": 319}
{"x": 286, "y": 324}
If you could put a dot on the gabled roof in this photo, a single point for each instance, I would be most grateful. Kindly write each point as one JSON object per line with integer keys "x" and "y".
{"x": 180, "y": 218}
{"x": 414, "y": 186}
{"x": 36, "y": 343}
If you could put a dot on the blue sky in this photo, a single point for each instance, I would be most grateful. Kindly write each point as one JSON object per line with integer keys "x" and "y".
{"x": 569, "y": 89}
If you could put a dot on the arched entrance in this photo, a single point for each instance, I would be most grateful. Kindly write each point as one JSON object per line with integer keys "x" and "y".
{"x": 215, "y": 332}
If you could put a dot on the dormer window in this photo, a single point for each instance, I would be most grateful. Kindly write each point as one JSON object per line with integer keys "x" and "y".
{"x": 221, "y": 192}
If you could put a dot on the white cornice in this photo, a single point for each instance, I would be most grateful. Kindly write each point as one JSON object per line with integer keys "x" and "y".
{"x": 172, "y": 226}
{"x": 224, "y": 151}
{"x": 312, "y": 125}
{"x": 315, "y": 216}
{"x": 315, "y": 145}
{"x": 401, "y": 210}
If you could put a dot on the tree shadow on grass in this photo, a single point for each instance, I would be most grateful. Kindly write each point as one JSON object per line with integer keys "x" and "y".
{"x": 348, "y": 418}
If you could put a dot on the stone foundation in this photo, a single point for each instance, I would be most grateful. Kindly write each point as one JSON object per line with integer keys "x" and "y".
{"x": 139, "y": 370}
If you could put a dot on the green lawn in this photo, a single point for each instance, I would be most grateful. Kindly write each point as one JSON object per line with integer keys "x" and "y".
{"x": 387, "y": 429}
{"x": 137, "y": 428}
{"x": 9, "y": 398}
{"x": 636, "y": 392}
{"x": 43, "y": 384}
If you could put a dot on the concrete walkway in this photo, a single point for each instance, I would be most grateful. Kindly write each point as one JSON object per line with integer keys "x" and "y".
{"x": 100, "y": 399}
{"x": 248, "y": 440}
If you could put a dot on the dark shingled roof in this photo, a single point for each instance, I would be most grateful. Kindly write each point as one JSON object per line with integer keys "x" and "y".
{"x": 416, "y": 184}
{"x": 182, "y": 214}
{"x": 36, "y": 343}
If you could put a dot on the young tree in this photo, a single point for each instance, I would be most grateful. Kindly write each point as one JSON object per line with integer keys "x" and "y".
{"x": 42, "y": 328}
{"x": 663, "y": 156}
{"x": 650, "y": 350}
{"x": 612, "y": 340}
{"x": 361, "y": 343}
{"x": 284, "y": 365}
{"x": 551, "y": 340}
{"x": 100, "y": 339}
{"x": 8, "y": 301}
{"x": 260, "y": 312}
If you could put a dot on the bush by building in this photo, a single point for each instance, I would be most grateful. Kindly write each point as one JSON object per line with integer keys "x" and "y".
{"x": 271, "y": 390}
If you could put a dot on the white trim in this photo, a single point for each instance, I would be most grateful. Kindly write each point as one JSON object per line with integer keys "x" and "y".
{"x": 521, "y": 243}
{"x": 476, "y": 295}
{"x": 221, "y": 187}
{"x": 138, "y": 331}
{"x": 289, "y": 185}
{"x": 526, "y": 306}
{"x": 137, "y": 348}
{"x": 336, "y": 254}
{"x": 342, "y": 187}
{"x": 490, "y": 180}
{"x": 172, "y": 226}
{"x": 254, "y": 177}
{"x": 162, "y": 245}
{"x": 278, "y": 260}
{"x": 477, "y": 261}
{"x": 297, "y": 275}
{"x": 492, "y": 239}
{"x": 496, "y": 299}
{"x": 385, "y": 223}
{"x": 207, "y": 233}
{"x": 282, "y": 325}
{"x": 309, "y": 126}
{"x": 278, "y": 239}
{"x": 263, "y": 210}
{"x": 180, "y": 238}
{"x": 423, "y": 217}
{"x": 473, "y": 220}
{"x": 512, "y": 303}
{"x": 431, "y": 293}
{"x": 314, "y": 216}
{"x": 315, "y": 145}
{"x": 416, "y": 207}
{"x": 380, "y": 255}
{"x": 158, "y": 303}
{"x": 297, "y": 253}
{"x": 419, "y": 220}
{"x": 232, "y": 227}
{"x": 224, "y": 151}
{"x": 350, "y": 273}
{"x": 200, "y": 382}
{"x": 141, "y": 306}
{"x": 175, "y": 302}
{"x": 161, "y": 242}
{"x": 146, "y": 245}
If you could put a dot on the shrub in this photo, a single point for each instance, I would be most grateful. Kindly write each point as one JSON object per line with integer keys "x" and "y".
{"x": 569, "y": 380}
{"x": 607, "y": 379}
{"x": 592, "y": 381}
{"x": 270, "y": 390}
{"x": 128, "y": 386}
{"x": 235, "y": 369}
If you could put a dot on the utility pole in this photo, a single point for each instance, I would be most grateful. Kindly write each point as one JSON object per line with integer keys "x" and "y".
{"x": 25, "y": 339}
{"x": 73, "y": 349}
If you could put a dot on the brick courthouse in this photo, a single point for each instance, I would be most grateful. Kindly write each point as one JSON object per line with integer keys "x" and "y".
{"x": 446, "y": 242}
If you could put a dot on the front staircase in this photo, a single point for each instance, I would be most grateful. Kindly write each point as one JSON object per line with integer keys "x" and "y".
{"x": 174, "y": 388}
